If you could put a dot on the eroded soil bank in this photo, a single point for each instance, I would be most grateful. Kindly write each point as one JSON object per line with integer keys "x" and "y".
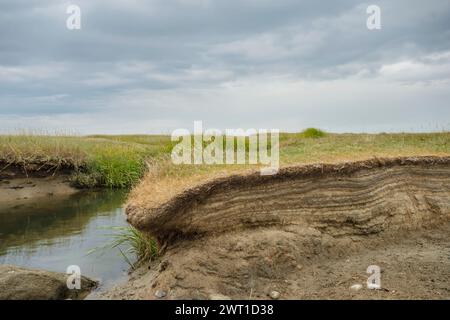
{"x": 307, "y": 232}
{"x": 251, "y": 265}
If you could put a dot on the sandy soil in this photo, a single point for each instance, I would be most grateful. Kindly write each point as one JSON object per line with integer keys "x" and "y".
{"x": 309, "y": 232}
{"x": 415, "y": 265}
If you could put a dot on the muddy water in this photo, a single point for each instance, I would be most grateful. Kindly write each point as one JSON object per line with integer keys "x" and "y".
{"x": 56, "y": 232}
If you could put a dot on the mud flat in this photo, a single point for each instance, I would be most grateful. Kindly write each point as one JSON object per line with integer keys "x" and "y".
{"x": 18, "y": 187}
{"x": 308, "y": 232}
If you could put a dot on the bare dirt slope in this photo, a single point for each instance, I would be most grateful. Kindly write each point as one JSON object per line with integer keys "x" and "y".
{"x": 307, "y": 232}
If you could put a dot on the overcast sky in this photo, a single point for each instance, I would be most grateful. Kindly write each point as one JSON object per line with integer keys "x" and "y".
{"x": 154, "y": 66}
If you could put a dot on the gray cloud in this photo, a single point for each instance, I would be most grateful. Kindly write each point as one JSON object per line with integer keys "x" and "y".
{"x": 156, "y": 65}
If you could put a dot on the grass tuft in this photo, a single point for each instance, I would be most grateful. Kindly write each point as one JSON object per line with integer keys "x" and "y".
{"x": 313, "y": 133}
{"x": 136, "y": 247}
{"x": 117, "y": 167}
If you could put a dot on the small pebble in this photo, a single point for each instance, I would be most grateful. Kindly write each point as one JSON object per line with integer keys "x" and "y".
{"x": 356, "y": 287}
{"x": 218, "y": 296}
{"x": 160, "y": 294}
{"x": 274, "y": 295}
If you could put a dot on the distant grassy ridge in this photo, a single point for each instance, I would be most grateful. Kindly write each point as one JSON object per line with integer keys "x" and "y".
{"x": 295, "y": 148}
{"x": 120, "y": 161}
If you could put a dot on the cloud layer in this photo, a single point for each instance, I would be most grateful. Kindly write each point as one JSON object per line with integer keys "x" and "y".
{"x": 154, "y": 66}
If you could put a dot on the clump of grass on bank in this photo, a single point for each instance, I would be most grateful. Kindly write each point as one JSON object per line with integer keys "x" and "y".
{"x": 57, "y": 151}
{"x": 130, "y": 241}
{"x": 313, "y": 133}
{"x": 112, "y": 167}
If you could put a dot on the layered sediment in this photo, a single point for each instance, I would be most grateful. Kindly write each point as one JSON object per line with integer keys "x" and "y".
{"x": 356, "y": 198}
{"x": 308, "y": 232}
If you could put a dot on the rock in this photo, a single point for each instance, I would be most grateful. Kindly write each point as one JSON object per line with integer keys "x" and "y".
{"x": 274, "y": 295}
{"x": 17, "y": 283}
{"x": 356, "y": 287}
{"x": 218, "y": 296}
{"x": 160, "y": 294}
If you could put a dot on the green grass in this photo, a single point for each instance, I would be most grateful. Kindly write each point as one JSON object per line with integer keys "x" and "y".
{"x": 294, "y": 148}
{"x": 130, "y": 241}
{"x": 120, "y": 161}
{"x": 313, "y": 133}
{"x": 96, "y": 161}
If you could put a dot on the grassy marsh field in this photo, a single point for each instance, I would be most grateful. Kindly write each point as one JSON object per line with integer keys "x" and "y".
{"x": 120, "y": 161}
{"x": 96, "y": 161}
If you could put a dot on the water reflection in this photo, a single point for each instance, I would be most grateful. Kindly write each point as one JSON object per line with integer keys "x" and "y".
{"x": 57, "y": 232}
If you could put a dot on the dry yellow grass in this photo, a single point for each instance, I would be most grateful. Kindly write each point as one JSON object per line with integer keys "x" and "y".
{"x": 163, "y": 180}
